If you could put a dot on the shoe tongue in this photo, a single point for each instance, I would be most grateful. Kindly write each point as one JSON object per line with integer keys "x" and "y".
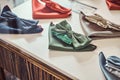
{"x": 56, "y": 7}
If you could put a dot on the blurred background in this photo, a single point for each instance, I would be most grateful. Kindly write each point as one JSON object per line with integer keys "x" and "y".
{"x": 11, "y": 3}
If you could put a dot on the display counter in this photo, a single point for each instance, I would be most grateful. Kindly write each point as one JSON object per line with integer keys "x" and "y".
{"x": 27, "y": 55}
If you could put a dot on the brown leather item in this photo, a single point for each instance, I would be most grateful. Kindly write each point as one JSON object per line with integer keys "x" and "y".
{"x": 96, "y": 32}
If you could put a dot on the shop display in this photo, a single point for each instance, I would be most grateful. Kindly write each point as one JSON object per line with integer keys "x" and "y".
{"x": 61, "y": 53}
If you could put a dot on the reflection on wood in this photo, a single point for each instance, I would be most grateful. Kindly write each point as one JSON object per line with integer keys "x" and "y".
{"x": 2, "y": 76}
{"x": 9, "y": 76}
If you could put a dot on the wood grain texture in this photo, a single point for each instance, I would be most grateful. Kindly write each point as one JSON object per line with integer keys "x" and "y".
{"x": 26, "y": 67}
{"x": 2, "y": 76}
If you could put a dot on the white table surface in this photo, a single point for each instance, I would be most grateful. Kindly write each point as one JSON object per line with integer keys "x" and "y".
{"x": 77, "y": 65}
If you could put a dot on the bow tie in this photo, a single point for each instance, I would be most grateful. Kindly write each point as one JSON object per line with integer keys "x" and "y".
{"x": 12, "y": 24}
{"x": 63, "y": 32}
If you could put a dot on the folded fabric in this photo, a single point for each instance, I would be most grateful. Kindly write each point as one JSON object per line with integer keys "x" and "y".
{"x": 115, "y": 1}
{"x": 113, "y": 65}
{"x": 12, "y": 24}
{"x": 102, "y": 22}
{"x": 113, "y": 4}
{"x": 96, "y": 27}
{"x": 61, "y": 37}
{"x": 113, "y": 70}
{"x": 102, "y": 62}
{"x": 46, "y": 9}
{"x": 56, "y": 7}
{"x": 114, "y": 60}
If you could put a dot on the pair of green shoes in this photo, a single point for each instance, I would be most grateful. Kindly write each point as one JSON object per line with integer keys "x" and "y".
{"x": 61, "y": 37}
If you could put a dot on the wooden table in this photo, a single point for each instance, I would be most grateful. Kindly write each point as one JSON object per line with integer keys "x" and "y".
{"x": 28, "y": 57}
